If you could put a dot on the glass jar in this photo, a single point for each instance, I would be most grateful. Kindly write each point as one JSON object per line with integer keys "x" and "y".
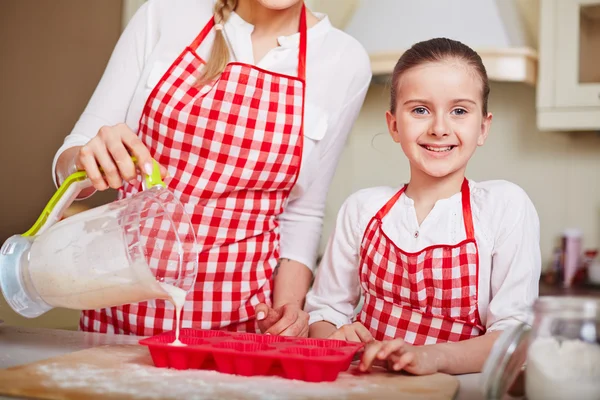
{"x": 559, "y": 354}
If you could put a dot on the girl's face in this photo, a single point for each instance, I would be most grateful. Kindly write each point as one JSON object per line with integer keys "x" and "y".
{"x": 438, "y": 119}
{"x": 278, "y": 4}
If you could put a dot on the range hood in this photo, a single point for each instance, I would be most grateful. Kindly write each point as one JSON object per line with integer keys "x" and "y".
{"x": 503, "y": 32}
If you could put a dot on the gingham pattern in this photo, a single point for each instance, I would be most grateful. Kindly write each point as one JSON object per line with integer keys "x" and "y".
{"x": 234, "y": 148}
{"x": 425, "y": 297}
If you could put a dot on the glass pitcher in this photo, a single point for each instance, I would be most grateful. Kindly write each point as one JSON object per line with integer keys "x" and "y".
{"x": 559, "y": 355}
{"x": 137, "y": 249}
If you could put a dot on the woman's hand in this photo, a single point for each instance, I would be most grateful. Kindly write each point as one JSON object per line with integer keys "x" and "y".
{"x": 111, "y": 150}
{"x": 355, "y": 332}
{"x": 399, "y": 355}
{"x": 287, "y": 320}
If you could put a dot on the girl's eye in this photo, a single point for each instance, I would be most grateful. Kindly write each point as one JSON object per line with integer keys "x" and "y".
{"x": 420, "y": 111}
{"x": 459, "y": 111}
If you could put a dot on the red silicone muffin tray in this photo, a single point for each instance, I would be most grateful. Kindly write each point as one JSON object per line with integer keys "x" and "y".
{"x": 249, "y": 354}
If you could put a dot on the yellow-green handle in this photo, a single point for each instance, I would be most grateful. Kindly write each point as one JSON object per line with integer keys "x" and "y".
{"x": 154, "y": 178}
{"x": 76, "y": 177}
{"x": 151, "y": 180}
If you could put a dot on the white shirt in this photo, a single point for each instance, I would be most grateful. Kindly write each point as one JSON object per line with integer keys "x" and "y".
{"x": 337, "y": 78}
{"x": 507, "y": 232}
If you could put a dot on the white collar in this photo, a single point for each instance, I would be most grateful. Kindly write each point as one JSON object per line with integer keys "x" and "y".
{"x": 289, "y": 41}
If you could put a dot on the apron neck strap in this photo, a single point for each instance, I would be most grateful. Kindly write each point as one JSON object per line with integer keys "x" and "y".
{"x": 466, "y": 207}
{"x": 390, "y": 203}
{"x": 302, "y": 29}
{"x": 203, "y": 33}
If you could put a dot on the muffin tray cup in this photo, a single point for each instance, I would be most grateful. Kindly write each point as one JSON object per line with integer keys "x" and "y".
{"x": 250, "y": 354}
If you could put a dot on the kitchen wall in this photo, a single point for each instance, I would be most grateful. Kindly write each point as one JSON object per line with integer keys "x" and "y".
{"x": 52, "y": 56}
{"x": 560, "y": 171}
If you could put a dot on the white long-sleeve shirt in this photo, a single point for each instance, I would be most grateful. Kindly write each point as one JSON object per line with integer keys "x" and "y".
{"x": 337, "y": 78}
{"x": 506, "y": 230}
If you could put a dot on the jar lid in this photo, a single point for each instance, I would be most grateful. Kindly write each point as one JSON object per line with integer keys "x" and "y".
{"x": 506, "y": 360}
{"x": 572, "y": 232}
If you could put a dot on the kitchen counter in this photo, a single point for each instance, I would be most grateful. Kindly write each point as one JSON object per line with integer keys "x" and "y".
{"x": 25, "y": 345}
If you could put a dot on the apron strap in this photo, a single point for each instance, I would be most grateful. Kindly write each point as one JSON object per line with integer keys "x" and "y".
{"x": 303, "y": 40}
{"x": 390, "y": 203}
{"x": 466, "y": 207}
{"x": 203, "y": 33}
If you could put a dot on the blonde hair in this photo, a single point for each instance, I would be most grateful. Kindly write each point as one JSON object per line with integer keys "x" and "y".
{"x": 219, "y": 53}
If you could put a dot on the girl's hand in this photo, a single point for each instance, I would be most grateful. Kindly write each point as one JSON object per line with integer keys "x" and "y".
{"x": 398, "y": 356}
{"x": 355, "y": 332}
{"x": 111, "y": 149}
{"x": 287, "y": 320}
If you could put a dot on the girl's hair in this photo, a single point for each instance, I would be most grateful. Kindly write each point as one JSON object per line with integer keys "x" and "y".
{"x": 219, "y": 53}
{"x": 437, "y": 50}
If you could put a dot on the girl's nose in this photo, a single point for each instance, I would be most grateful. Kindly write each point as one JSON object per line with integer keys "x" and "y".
{"x": 439, "y": 126}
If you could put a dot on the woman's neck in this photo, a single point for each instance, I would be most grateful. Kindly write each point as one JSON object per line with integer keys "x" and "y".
{"x": 267, "y": 21}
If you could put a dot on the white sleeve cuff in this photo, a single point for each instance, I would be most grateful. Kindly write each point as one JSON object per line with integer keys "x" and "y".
{"x": 310, "y": 263}
{"x": 71, "y": 141}
{"x": 330, "y": 316}
{"x": 506, "y": 323}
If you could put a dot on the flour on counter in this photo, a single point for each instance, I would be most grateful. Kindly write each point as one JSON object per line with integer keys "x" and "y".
{"x": 563, "y": 370}
{"x": 147, "y": 382}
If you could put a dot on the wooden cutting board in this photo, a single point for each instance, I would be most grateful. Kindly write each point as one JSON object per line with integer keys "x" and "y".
{"x": 126, "y": 372}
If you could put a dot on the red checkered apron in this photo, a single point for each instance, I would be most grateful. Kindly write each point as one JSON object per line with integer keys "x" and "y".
{"x": 236, "y": 147}
{"x": 425, "y": 297}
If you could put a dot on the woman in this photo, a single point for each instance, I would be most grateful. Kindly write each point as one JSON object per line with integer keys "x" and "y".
{"x": 247, "y": 140}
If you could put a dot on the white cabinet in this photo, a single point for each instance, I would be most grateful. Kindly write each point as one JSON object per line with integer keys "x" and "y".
{"x": 568, "y": 95}
{"x": 497, "y": 29}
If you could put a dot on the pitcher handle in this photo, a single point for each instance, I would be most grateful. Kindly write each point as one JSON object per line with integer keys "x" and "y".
{"x": 68, "y": 191}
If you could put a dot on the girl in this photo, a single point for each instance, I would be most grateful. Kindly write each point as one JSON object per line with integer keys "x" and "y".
{"x": 246, "y": 104}
{"x": 444, "y": 263}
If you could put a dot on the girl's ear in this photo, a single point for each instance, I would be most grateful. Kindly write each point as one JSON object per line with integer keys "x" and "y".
{"x": 486, "y": 123}
{"x": 392, "y": 126}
